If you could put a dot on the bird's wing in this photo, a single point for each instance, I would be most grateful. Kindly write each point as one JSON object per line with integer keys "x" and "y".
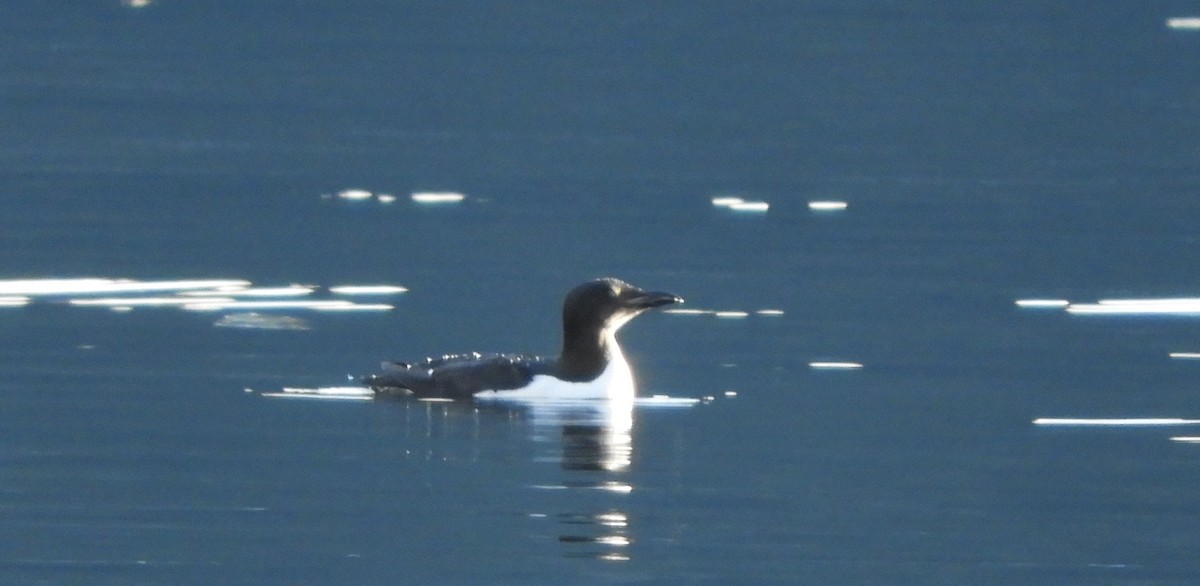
{"x": 457, "y": 376}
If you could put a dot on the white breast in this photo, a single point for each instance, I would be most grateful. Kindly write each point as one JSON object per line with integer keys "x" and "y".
{"x": 615, "y": 383}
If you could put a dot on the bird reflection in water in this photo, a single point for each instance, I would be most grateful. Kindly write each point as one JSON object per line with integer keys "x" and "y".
{"x": 592, "y": 435}
{"x": 590, "y": 443}
{"x": 593, "y": 444}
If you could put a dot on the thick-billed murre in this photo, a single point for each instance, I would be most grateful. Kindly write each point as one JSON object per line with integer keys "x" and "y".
{"x": 590, "y": 365}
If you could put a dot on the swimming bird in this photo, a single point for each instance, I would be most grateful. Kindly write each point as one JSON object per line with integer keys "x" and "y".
{"x": 590, "y": 365}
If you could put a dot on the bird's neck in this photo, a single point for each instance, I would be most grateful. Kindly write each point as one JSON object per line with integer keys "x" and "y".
{"x": 584, "y": 357}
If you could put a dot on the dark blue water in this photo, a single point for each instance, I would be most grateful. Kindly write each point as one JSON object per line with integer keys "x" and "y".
{"x": 987, "y": 154}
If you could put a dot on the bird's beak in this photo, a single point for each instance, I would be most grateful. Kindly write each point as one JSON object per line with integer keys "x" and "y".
{"x": 639, "y": 299}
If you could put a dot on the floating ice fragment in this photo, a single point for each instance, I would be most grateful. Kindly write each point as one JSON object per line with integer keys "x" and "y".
{"x": 430, "y": 197}
{"x": 827, "y": 206}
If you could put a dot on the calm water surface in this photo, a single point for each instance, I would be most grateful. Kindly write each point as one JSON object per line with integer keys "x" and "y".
{"x": 987, "y": 155}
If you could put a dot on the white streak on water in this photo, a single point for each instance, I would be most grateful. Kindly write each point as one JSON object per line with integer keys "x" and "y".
{"x": 1042, "y": 303}
{"x": 331, "y": 393}
{"x": 1101, "y": 422}
{"x": 354, "y": 194}
{"x": 317, "y": 305}
{"x": 1183, "y": 306}
{"x": 141, "y": 301}
{"x": 16, "y": 301}
{"x": 664, "y": 401}
{"x": 319, "y": 397}
{"x": 368, "y": 289}
{"x": 726, "y": 201}
{"x": 835, "y": 365}
{"x": 289, "y": 291}
{"x": 436, "y": 197}
{"x": 89, "y": 286}
{"x": 827, "y": 206}
{"x": 1185, "y": 355}
{"x": 738, "y": 204}
{"x": 1184, "y": 23}
{"x": 655, "y": 401}
{"x": 758, "y": 207}
{"x": 257, "y": 321}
